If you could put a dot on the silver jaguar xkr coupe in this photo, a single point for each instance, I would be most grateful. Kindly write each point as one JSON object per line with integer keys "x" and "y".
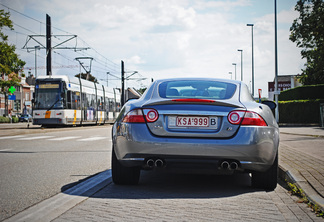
{"x": 196, "y": 125}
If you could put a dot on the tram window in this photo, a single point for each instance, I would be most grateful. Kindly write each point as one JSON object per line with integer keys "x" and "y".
{"x": 68, "y": 100}
{"x": 75, "y": 100}
{"x": 100, "y": 103}
{"x": 107, "y": 104}
{"x": 92, "y": 101}
{"x": 111, "y": 105}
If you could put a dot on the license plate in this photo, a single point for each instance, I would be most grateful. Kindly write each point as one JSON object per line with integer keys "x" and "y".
{"x": 192, "y": 121}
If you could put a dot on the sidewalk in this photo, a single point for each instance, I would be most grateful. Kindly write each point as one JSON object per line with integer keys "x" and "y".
{"x": 304, "y": 168}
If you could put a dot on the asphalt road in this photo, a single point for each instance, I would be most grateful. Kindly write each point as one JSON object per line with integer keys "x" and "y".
{"x": 36, "y": 166}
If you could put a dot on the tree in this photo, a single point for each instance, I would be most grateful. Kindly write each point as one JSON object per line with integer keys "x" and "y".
{"x": 10, "y": 64}
{"x": 307, "y": 32}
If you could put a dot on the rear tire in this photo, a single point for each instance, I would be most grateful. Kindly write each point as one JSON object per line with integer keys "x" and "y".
{"x": 266, "y": 180}
{"x": 122, "y": 175}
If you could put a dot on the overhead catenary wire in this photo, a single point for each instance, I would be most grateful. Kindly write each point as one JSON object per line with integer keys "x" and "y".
{"x": 102, "y": 64}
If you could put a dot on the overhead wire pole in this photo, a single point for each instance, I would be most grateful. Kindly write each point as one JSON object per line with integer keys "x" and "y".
{"x": 48, "y": 46}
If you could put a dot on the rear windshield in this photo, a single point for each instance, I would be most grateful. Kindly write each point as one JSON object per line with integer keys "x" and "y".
{"x": 196, "y": 89}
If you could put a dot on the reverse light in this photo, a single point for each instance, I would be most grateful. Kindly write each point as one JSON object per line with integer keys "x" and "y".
{"x": 246, "y": 118}
{"x": 151, "y": 115}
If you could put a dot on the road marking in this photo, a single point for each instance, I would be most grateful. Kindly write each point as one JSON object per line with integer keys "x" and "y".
{"x": 35, "y": 138}
{"x": 65, "y": 138}
{"x": 5, "y": 150}
{"x": 57, "y": 205}
{"x": 93, "y": 138}
{"x": 9, "y": 137}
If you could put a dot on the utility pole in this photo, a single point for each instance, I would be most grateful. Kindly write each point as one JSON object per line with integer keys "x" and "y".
{"x": 48, "y": 46}
{"x": 276, "y": 93}
{"x": 122, "y": 83}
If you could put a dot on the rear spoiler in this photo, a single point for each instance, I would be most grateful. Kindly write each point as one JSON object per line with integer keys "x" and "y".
{"x": 193, "y": 101}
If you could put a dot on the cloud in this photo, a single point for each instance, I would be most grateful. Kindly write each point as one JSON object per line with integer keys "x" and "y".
{"x": 171, "y": 38}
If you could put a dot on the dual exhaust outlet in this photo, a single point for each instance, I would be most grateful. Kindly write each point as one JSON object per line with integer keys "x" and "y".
{"x": 158, "y": 163}
{"x": 229, "y": 165}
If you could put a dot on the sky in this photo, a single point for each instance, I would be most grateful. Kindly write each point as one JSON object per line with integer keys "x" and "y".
{"x": 158, "y": 38}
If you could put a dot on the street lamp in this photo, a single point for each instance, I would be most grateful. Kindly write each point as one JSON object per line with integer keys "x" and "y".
{"x": 230, "y": 74}
{"x": 37, "y": 47}
{"x": 252, "y": 60}
{"x": 241, "y": 50}
{"x": 234, "y": 64}
{"x": 276, "y": 64}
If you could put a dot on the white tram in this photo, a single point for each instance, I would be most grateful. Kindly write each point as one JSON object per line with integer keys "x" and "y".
{"x": 62, "y": 100}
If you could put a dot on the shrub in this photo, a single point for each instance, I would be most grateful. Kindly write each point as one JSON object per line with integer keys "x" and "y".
{"x": 310, "y": 92}
{"x": 300, "y": 111}
{"x": 4, "y": 119}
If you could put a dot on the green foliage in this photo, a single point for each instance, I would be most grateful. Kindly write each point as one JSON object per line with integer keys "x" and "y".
{"x": 7, "y": 119}
{"x": 4, "y": 119}
{"x": 295, "y": 190}
{"x": 307, "y": 32}
{"x": 300, "y": 111}
{"x": 5, "y": 22}
{"x": 10, "y": 64}
{"x": 15, "y": 119}
{"x": 310, "y": 92}
{"x": 141, "y": 90}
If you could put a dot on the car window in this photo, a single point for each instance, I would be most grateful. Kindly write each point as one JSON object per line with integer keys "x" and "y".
{"x": 196, "y": 89}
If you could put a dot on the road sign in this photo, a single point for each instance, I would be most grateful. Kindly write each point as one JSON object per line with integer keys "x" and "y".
{"x": 12, "y": 89}
{"x": 12, "y": 97}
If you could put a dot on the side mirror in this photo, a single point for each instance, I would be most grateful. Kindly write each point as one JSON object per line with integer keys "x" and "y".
{"x": 272, "y": 105}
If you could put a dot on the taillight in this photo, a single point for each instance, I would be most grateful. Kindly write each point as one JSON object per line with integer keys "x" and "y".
{"x": 137, "y": 116}
{"x": 151, "y": 115}
{"x": 134, "y": 116}
{"x": 237, "y": 117}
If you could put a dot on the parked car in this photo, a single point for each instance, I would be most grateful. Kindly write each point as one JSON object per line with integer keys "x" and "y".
{"x": 196, "y": 125}
{"x": 25, "y": 118}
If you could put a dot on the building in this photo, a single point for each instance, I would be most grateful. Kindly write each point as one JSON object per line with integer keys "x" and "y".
{"x": 284, "y": 82}
{"x": 23, "y": 96}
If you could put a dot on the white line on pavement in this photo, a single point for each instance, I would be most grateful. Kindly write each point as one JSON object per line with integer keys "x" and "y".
{"x": 65, "y": 138}
{"x": 93, "y": 138}
{"x": 57, "y": 205}
{"x": 35, "y": 138}
{"x": 10, "y": 137}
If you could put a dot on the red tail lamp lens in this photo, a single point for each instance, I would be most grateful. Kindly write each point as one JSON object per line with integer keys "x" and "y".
{"x": 134, "y": 116}
{"x": 246, "y": 118}
{"x": 139, "y": 116}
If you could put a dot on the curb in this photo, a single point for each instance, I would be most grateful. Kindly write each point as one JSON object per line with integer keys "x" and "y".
{"x": 302, "y": 184}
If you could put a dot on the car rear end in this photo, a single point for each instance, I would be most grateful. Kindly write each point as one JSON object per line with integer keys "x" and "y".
{"x": 197, "y": 126}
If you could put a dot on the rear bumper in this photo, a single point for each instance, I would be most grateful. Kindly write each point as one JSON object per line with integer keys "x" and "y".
{"x": 254, "y": 148}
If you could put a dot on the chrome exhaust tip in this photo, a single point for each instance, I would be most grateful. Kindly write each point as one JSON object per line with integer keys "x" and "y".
{"x": 159, "y": 163}
{"x": 233, "y": 166}
{"x": 225, "y": 165}
{"x": 150, "y": 163}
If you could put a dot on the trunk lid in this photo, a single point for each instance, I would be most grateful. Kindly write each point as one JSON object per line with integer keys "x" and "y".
{"x": 199, "y": 118}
